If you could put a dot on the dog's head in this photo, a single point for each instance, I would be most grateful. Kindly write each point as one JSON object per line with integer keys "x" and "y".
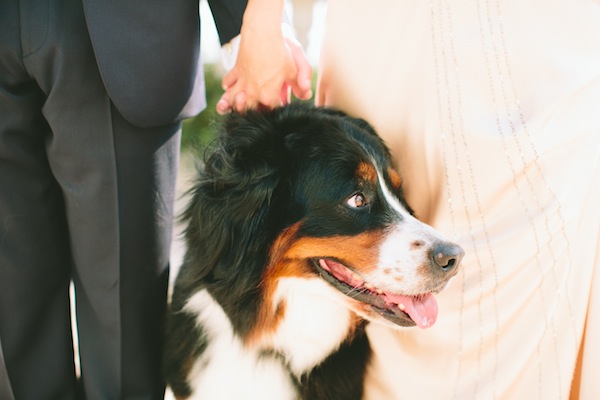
{"x": 312, "y": 193}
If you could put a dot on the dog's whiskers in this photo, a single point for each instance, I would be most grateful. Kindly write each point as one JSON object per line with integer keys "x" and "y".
{"x": 355, "y": 291}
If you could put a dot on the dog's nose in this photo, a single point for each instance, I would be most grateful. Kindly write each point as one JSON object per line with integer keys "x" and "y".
{"x": 446, "y": 255}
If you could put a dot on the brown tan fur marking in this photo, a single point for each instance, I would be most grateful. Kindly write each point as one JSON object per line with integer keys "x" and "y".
{"x": 289, "y": 257}
{"x": 367, "y": 172}
{"x": 394, "y": 178}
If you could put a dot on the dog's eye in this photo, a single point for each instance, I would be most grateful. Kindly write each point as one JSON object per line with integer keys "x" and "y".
{"x": 357, "y": 201}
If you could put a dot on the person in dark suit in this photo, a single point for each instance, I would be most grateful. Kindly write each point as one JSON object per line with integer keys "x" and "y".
{"x": 91, "y": 98}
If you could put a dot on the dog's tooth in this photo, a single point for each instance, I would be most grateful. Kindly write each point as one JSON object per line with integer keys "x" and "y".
{"x": 401, "y": 307}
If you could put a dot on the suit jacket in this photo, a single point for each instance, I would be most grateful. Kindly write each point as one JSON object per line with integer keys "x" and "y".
{"x": 148, "y": 54}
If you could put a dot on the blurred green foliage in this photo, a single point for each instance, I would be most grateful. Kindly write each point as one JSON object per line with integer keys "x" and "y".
{"x": 198, "y": 131}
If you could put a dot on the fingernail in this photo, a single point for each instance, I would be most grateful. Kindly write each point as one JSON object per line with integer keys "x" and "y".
{"x": 222, "y": 106}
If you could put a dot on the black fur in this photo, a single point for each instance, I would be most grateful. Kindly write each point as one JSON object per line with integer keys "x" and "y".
{"x": 341, "y": 375}
{"x": 265, "y": 172}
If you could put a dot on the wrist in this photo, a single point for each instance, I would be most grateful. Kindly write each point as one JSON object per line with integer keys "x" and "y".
{"x": 262, "y": 15}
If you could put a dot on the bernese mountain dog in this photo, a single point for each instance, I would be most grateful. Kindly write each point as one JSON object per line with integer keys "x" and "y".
{"x": 297, "y": 236}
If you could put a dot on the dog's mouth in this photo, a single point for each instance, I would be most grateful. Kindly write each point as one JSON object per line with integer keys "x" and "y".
{"x": 403, "y": 310}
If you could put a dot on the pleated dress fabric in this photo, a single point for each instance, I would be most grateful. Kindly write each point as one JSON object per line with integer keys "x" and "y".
{"x": 492, "y": 111}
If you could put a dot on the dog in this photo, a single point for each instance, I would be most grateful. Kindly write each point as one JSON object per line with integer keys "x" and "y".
{"x": 298, "y": 235}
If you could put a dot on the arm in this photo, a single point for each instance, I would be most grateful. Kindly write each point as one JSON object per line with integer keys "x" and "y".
{"x": 268, "y": 65}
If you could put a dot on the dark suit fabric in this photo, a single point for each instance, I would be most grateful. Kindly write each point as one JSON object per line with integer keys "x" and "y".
{"x": 89, "y": 141}
{"x": 169, "y": 60}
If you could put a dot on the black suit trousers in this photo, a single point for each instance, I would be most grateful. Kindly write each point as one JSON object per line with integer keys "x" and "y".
{"x": 85, "y": 196}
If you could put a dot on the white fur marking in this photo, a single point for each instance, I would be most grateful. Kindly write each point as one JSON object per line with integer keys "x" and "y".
{"x": 397, "y": 254}
{"x": 389, "y": 197}
{"x": 228, "y": 370}
{"x": 316, "y": 322}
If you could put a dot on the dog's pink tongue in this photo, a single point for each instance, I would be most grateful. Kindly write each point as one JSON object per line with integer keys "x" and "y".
{"x": 422, "y": 309}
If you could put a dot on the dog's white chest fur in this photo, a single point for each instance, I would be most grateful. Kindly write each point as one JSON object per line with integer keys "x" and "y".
{"x": 314, "y": 325}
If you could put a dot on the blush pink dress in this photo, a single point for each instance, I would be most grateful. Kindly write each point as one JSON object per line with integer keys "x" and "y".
{"x": 492, "y": 110}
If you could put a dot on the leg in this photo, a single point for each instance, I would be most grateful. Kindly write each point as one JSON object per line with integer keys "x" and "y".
{"x": 146, "y": 166}
{"x": 145, "y": 171}
{"x": 118, "y": 183}
{"x": 113, "y": 184}
{"x": 35, "y": 263}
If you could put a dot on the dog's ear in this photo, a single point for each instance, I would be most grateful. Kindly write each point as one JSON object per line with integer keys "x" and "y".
{"x": 227, "y": 215}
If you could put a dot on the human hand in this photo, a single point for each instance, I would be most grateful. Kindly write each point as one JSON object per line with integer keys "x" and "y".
{"x": 268, "y": 69}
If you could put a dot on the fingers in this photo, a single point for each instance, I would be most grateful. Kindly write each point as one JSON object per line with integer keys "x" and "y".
{"x": 229, "y": 79}
{"x": 223, "y": 106}
{"x": 285, "y": 94}
{"x": 269, "y": 98}
{"x": 268, "y": 87}
{"x": 237, "y": 99}
{"x": 225, "y": 103}
{"x": 238, "y": 102}
{"x": 301, "y": 86}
